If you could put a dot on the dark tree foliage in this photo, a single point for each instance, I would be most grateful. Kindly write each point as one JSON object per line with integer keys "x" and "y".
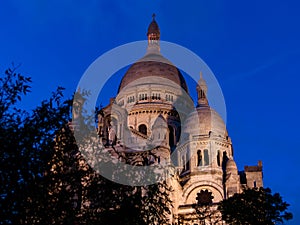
{"x": 85, "y": 197}
{"x": 44, "y": 178}
{"x": 255, "y": 207}
{"x": 205, "y": 215}
{"x": 26, "y": 144}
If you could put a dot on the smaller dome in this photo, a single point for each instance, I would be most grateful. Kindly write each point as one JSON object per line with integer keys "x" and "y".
{"x": 205, "y": 121}
{"x": 231, "y": 167}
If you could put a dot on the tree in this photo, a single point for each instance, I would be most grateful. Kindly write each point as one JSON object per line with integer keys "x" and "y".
{"x": 79, "y": 194}
{"x": 255, "y": 207}
{"x": 44, "y": 177}
{"x": 26, "y": 146}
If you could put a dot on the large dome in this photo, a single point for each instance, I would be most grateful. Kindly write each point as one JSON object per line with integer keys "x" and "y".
{"x": 153, "y": 64}
{"x": 205, "y": 121}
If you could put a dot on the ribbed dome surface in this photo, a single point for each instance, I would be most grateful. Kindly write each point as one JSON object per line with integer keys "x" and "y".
{"x": 153, "y": 65}
{"x": 203, "y": 121}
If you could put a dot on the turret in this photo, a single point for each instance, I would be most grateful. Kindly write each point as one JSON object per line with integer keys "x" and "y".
{"x": 153, "y": 35}
{"x": 202, "y": 92}
{"x": 160, "y": 132}
{"x": 232, "y": 182}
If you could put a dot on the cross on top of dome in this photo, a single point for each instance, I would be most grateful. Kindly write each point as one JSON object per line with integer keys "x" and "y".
{"x": 153, "y": 16}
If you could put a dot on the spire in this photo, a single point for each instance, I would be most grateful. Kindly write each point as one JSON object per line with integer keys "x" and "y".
{"x": 202, "y": 91}
{"x": 153, "y": 35}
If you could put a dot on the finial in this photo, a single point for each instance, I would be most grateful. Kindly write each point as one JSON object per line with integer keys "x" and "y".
{"x": 202, "y": 91}
{"x": 153, "y": 35}
{"x": 153, "y": 16}
{"x": 201, "y": 81}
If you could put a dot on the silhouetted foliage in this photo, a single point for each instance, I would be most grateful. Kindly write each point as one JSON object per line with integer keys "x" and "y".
{"x": 255, "y": 207}
{"x": 86, "y": 197}
{"x": 26, "y": 145}
{"x": 44, "y": 177}
{"x": 205, "y": 215}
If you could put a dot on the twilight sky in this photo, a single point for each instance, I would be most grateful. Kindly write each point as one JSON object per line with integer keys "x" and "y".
{"x": 253, "y": 48}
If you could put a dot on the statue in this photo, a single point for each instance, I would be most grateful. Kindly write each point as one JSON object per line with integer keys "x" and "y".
{"x": 111, "y": 135}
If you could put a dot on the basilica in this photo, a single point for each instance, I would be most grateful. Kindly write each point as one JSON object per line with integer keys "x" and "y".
{"x": 153, "y": 111}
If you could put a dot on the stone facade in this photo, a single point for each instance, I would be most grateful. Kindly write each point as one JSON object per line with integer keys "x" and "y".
{"x": 153, "y": 110}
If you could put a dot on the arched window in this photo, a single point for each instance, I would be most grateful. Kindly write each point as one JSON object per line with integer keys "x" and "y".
{"x": 143, "y": 129}
{"x": 142, "y": 96}
{"x": 171, "y": 137}
{"x": 169, "y": 98}
{"x": 187, "y": 158}
{"x": 183, "y": 162}
{"x": 155, "y": 96}
{"x": 121, "y": 103}
{"x": 206, "y": 157}
{"x": 199, "y": 158}
{"x": 219, "y": 158}
{"x": 114, "y": 130}
{"x": 130, "y": 99}
{"x": 224, "y": 160}
{"x": 177, "y": 134}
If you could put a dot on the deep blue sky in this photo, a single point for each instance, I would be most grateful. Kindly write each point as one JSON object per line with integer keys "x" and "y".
{"x": 251, "y": 46}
